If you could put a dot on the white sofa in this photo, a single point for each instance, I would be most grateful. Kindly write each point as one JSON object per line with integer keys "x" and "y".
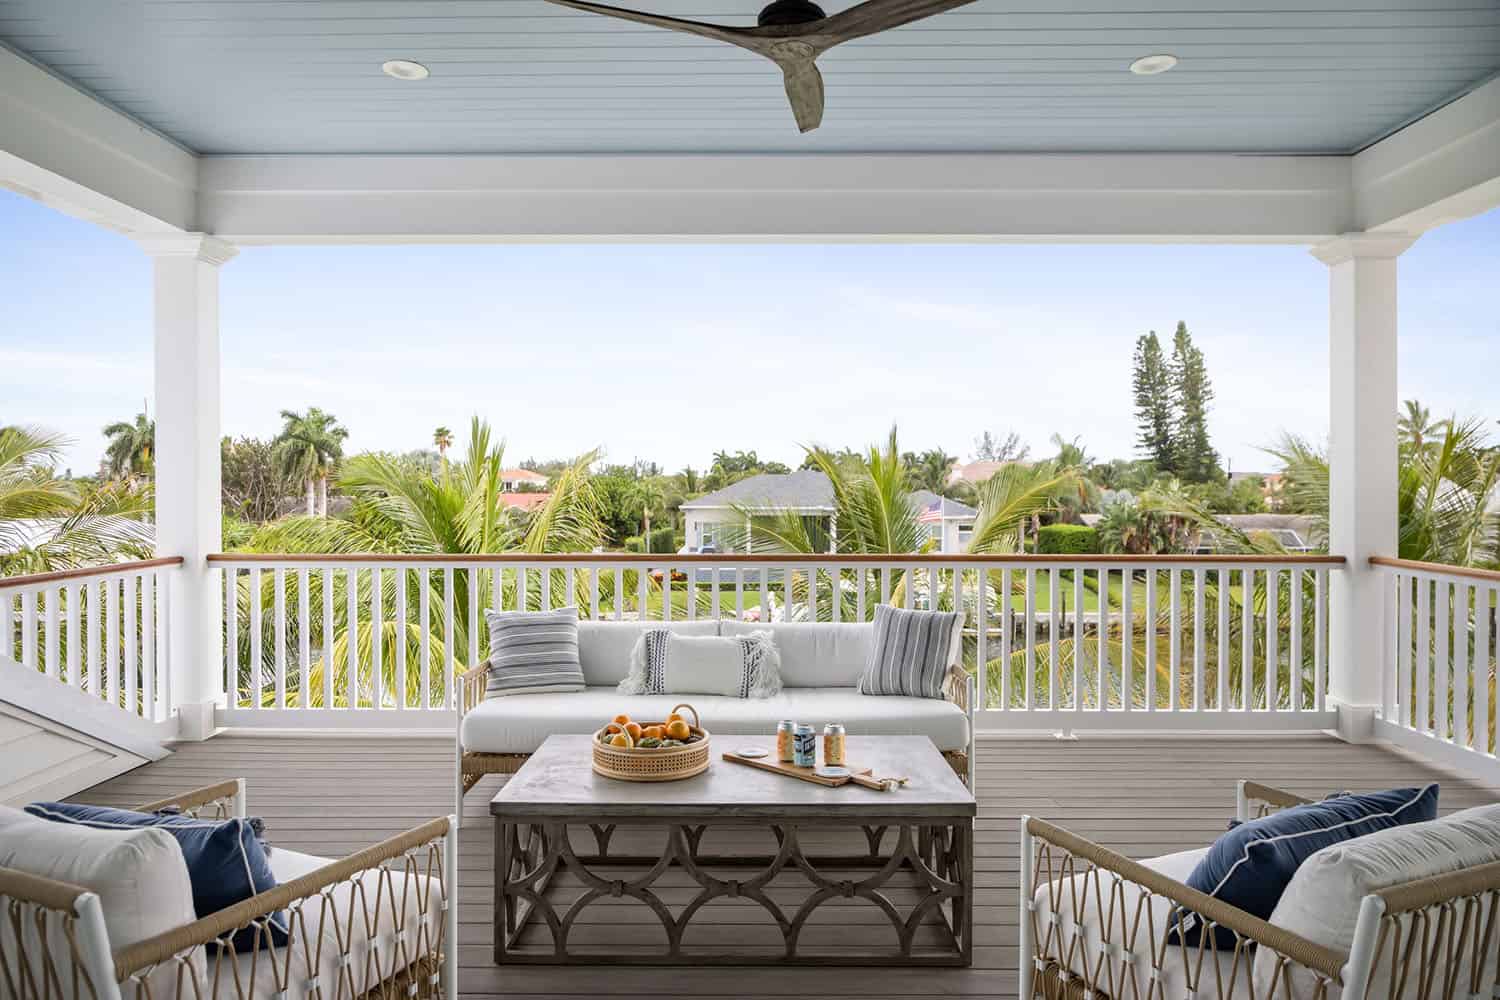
{"x": 820, "y": 668}
{"x": 109, "y": 914}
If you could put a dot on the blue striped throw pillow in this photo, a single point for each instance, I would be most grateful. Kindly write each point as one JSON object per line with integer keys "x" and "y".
{"x": 533, "y": 652}
{"x": 911, "y": 652}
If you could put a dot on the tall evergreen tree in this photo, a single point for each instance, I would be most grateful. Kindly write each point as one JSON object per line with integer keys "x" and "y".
{"x": 1194, "y": 458}
{"x": 1153, "y": 402}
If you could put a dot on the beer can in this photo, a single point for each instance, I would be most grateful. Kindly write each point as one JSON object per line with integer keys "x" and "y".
{"x": 804, "y": 746}
{"x": 833, "y": 745}
{"x": 784, "y": 730}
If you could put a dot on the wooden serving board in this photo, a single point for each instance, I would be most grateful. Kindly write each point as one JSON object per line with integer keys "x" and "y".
{"x": 859, "y": 776}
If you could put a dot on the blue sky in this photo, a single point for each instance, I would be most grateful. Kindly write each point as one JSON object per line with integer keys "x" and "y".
{"x": 671, "y": 352}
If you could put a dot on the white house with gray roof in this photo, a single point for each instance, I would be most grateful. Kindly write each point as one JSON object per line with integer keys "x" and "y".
{"x": 720, "y": 519}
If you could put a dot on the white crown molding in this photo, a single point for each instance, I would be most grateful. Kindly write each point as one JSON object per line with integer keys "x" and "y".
{"x": 200, "y": 246}
{"x": 1351, "y": 246}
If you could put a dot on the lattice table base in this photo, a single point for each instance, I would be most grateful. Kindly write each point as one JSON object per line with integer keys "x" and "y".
{"x": 913, "y": 879}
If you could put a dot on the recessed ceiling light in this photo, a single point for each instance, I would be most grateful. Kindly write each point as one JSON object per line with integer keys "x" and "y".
{"x": 1152, "y": 65}
{"x": 405, "y": 69}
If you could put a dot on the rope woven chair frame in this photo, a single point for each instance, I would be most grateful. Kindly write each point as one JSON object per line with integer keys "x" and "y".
{"x": 378, "y": 925}
{"x": 1098, "y": 936}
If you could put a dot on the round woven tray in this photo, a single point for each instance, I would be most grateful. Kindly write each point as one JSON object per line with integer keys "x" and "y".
{"x": 658, "y": 764}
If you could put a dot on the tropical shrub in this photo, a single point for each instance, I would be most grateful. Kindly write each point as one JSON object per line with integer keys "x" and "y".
{"x": 1067, "y": 539}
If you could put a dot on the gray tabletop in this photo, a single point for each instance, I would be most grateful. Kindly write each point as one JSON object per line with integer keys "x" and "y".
{"x": 559, "y": 781}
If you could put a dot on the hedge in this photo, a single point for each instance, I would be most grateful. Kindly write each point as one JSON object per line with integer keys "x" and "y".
{"x": 1067, "y": 539}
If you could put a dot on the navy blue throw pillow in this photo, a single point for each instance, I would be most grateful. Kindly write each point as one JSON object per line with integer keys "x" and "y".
{"x": 1251, "y": 865}
{"x": 226, "y": 862}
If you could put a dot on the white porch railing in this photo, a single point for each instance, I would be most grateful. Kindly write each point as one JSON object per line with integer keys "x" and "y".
{"x": 1439, "y": 670}
{"x": 100, "y": 631}
{"x": 1105, "y": 642}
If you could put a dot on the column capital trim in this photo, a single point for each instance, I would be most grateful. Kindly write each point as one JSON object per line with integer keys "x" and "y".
{"x": 200, "y": 246}
{"x": 1352, "y": 246}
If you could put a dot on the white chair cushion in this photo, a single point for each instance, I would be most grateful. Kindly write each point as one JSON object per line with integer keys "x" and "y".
{"x": 821, "y": 655}
{"x": 1322, "y": 901}
{"x": 604, "y": 647}
{"x": 139, "y": 876}
{"x": 1133, "y": 934}
{"x": 521, "y": 723}
{"x": 419, "y": 904}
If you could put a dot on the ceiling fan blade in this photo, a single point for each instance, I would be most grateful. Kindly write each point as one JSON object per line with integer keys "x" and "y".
{"x": 718, "y": 32}
{"x": 874, "y": 16}
{"x": 804, "y": 89}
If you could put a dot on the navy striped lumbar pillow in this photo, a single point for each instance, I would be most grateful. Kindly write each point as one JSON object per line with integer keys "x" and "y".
{"x": 533, "y": 652}
{"x": 911, "y": 652}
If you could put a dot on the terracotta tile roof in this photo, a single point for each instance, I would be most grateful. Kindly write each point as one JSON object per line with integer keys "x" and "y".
{"x": 525, "y": 501}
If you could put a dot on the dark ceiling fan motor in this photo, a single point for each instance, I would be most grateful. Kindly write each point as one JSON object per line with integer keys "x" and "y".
{"x": 781, "y": 13}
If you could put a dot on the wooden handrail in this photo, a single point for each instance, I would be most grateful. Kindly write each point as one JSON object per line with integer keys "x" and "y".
{"x": 1488, "y": 575}
{"x": 658, "y": 559}
{"x": 88, "y": 571}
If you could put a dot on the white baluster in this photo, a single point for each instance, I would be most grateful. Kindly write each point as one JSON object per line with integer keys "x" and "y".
{"x": 279, "y": 613}
{"x": 130, "y": 635}
{"x": 1200, "y": 613}
{"x": 304, "y": 638}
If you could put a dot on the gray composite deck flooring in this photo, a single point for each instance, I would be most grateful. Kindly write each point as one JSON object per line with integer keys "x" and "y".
{"x": 333, "y": 794}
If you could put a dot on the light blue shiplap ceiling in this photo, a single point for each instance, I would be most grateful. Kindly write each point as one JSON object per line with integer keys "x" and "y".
{"x": 303, "y": 76}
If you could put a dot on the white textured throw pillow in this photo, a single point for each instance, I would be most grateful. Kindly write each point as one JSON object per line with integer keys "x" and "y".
{"x": 666, "y": 662}
{"x": 139, "y": 876}
{"x": 1322, "y": 901}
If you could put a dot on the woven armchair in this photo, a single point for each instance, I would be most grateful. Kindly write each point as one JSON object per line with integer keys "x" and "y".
{"x": 1095, "y": 934}
{"x": 381, "y": 923}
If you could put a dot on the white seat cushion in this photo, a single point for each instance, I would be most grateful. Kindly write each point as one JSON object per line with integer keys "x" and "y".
{"x": 821, "y": 655}
{"x": 520, "y": 724}
{"x": 419, "y": 904}
{"x": 139, "y": 876}
{"x": 604, "y": 646}
{"x": 1123, "y": 969}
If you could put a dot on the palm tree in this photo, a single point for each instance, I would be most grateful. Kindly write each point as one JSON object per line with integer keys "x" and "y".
{"x": 649, "y": 494}
{"x": 442, "y": 440}
{"x": 1416, "y": 431}
{"x": 1015, "y": 495}
{"x": 130, "y": 448}
{"x": 399, "y": 508}
{"x": 309, "y": 446}
{"x": 1446, "y": 493}
{"x": 47, "y": 523}
{"x": 929, "y": 470}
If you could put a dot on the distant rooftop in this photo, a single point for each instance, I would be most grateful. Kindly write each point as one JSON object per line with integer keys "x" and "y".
{"x": 975, "y": 472}
{"x": 951, "y": 509}
{"x": 805, "y": 489}
{"x": 522, "y": 476}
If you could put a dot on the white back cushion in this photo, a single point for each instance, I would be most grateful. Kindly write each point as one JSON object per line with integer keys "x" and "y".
{"x": 816, "y": 654}
{"x": 139, "y": 876}
{"x": 604, "y": 647}
{"x": 1322, "y": 901}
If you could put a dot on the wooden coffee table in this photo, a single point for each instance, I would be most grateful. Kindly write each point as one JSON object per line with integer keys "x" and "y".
{"x": 911, "y": 868}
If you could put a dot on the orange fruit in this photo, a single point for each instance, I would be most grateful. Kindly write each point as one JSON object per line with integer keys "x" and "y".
{"x": 677, "y": 729}
{"x": 621, "y": 740}
{"x": 675, "y": 717}
{"x": 614, "y": 727}
{"x": 634, "y": 729}
{"x": 621, "y": 719}
{"x": 657, "y": 732}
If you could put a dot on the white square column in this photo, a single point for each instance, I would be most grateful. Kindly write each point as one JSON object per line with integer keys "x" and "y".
{"x": 185, "y": 274}
{"x": 1362, "y": 464}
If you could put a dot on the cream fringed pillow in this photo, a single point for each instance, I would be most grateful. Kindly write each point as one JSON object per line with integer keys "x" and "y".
{"x": 666, "y": 662}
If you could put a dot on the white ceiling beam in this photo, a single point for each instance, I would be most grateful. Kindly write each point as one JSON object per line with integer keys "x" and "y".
{"x": 77, "y": 154}
{"x": 1438, "y": 169}
{"x": 1001, "y": 197}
